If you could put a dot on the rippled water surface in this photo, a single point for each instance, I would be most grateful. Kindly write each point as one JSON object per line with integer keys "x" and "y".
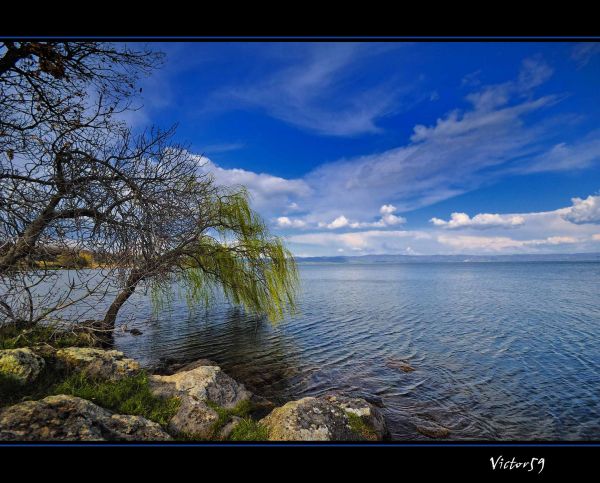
{"x": 500, "y": 350}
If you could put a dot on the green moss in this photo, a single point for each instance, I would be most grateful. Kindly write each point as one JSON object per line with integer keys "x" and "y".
{"x": 13, "y": 336}
{"x": 130, "y": 395}
{"x": 249, "y": 430}
{"x": 361, "y": 428}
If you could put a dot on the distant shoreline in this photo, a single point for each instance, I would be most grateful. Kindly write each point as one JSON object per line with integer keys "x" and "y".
{"x": 382, "y": 259}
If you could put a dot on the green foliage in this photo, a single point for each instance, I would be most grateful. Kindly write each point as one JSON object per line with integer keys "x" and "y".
{"x": 237, "y": 255}
{"x": 361, "y": 428}
{"x": 13, "y": 336}
{"x": 249, "y": 430}
{"x": 130, "y": 395}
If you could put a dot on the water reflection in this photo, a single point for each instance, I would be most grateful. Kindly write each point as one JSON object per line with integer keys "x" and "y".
{"x": 250, "y": 349}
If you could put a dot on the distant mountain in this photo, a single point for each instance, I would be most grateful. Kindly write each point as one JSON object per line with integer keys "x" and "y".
{"x": 571, "y": 257}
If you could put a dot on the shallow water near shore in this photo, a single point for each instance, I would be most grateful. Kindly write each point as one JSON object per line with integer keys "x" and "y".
{"x": 500, "y": 351}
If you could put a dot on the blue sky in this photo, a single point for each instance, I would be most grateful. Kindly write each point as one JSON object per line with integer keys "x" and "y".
{"x": 354, "y": 148}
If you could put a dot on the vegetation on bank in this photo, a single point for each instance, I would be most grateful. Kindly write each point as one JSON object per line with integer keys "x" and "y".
{"x": 130, "y": 395}
{"x": 249, "y": 430}
{"x": 13, "y": 336}
{"x": 80, "y": 189}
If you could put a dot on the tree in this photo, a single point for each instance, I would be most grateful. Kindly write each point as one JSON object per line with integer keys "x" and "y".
{"x": 73, "y": 177}
{"x": 204, "y": 237}
{"x": 59, "y": 138}
{"x": 64, "y": 156}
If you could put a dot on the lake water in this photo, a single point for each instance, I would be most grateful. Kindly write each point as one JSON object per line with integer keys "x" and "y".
{"x": 501, "y": 351}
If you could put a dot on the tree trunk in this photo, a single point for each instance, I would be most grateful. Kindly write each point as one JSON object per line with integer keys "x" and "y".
{"x": 111, "y": 315}
{"x": 25, "y": 244}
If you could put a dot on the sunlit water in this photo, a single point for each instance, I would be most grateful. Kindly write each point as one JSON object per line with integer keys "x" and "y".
{"x": 505, "y": 351}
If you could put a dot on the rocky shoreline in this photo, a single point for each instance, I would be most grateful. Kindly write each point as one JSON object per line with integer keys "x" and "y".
{"x": 210, "y": 405}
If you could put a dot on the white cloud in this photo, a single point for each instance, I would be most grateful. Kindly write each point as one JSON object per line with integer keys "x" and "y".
{"x": 285, "y": 222}
{"x": 387, "y": 219}
{"x": 339, "y": 222}
{"x": 461, "y": 151}
{"x": 583, "y": 210}
{"x": 499, "y": 243}
{"x": 268, "y": 193}
{"x": 480, "y": 221}
{"x": 539, "y": 232}
{"x": 458, "y": 153}
{"x": 370, "y": 241}
{"x": 302, "y": 92}
{"x": 566, "y": 156}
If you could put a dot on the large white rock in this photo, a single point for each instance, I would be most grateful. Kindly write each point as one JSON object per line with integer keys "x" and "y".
{"x": 325, "y": 418}
{"x": 197, "y": 389}
{"x": 69, "y": 418}
{"x": 105, "y": 364}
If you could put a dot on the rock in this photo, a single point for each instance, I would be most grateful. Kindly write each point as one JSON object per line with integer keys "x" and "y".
{"x": 135, "y": 332}
{"x": 226, "y": 430}
{"x": 399, "y": 364}
{"x": 106, "y": 364}
{"x": 432, "y": 429}
{"x": 369, "y": 414}
{"x": 69, "y": 418}
{"x": 22, "y": 365}
{"x": 168, "y": 367}
{"x": 202, "y": 383}
{"x": 197, "y": 389}
{"x": 194, "y": 419}
{"x": 309, "y": 419}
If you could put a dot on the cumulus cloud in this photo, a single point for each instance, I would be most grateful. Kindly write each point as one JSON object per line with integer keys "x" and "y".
{"x": 387, "y": 219}
{"x": 387, "y": 209}
{"x": 583, "y": 210}
{"x": 339, "y": 222}
{"x": 480, "y": 221}
{"x": 285, "y": 222}
{"x": 539, "y": 232}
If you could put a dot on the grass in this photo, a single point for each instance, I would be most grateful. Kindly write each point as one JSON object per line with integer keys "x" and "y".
{"x": 360, "y": 427}
{"x": 246, "y": 430}
{"x": 249, "y": 430}
{"x": 130, "y": 395}
{"x": 241, "y": 410}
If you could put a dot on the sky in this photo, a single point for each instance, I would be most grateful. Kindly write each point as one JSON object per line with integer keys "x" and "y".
{"x": 351, "y": 148}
